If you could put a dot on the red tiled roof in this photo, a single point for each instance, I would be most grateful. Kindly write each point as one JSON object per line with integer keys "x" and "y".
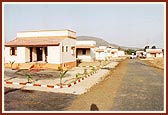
{"x": 99, "y": 50}
{"x": 38, "y": 41}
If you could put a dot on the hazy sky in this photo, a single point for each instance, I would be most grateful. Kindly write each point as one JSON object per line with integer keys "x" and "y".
{"x": 133, "y": 25}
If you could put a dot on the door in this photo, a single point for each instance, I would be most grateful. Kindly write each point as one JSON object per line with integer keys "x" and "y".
{"x": 31, "y": 49}
{"x": 39, "y": 53}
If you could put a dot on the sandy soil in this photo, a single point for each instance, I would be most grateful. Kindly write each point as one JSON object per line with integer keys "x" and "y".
{"x": 96, "y": 97}
{"x": 156, "y": 62}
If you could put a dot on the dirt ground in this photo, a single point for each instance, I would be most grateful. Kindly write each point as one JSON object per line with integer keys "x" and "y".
{"x": 131, "y": 89}
{"x": 156, "y": 62}
{"x": 126, "y": 88}
{"x": 92, "y": 98}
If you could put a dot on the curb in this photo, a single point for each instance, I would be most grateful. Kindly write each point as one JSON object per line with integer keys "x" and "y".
{"x": 90, "y": 66}
{"x": 51, "y": 86}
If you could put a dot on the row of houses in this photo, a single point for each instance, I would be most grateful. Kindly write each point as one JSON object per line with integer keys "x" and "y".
{"x": 150, "y": 53}
{"x": 56, "y": 48}
{"x": 87, "y": 51}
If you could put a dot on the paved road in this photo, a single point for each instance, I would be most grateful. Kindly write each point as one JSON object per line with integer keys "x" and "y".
{"x": 141, "y": 89}
{"x": 132, "y": 86}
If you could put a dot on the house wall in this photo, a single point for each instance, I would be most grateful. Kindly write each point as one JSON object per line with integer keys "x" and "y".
{"x": 68, "y": 56}
{"x": 54, "y": 53}
{"x": 87, "y": 57}
{"x": 108, "y": 51}
{"x": 27, "y": 54}
{"x": 92, "y": 54}
{"x": 121, "y": 53}
{"x": 159, "y": 55}
{"x": 56, "y": 56}
{"x": 114, "y": 52}
{"x": 101, "y": 55}
{"x": 148, "y": 55}
{"x": 46, "y": 33}
{"x": 34, "y": 54}
{"x": 19, "y": 58}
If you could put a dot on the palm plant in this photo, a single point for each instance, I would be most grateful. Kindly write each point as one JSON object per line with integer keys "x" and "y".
{"x": 85, "y": 72}
{"x": 77, "y": 75}
{"x": 61, "y": 75}
{"x": 11, "y": 62}
{"x": 29, "y": 78}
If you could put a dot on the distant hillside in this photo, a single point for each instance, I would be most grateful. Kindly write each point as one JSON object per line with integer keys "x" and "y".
{"x": 99, "y": 41}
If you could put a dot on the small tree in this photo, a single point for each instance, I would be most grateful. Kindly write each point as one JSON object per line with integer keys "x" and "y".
{"x": 100, "y": 62}
{"x": 119, "y": 48}
{"x": 146, "y": 47}
{"x": 29, "y": 78}
{"x": 85, "y": 72}
{"x": 11, "y": 62}
{"x": 62, "y": 74}
{"x": 93, "y": 69}
{"x": 153, "y": 47}
{"x": 77, "y": 75}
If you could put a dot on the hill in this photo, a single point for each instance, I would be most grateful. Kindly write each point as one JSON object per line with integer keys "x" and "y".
{"x": 101, "y": 42}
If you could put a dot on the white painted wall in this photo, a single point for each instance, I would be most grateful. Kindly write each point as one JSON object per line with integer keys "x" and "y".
{"x": 54, "y": 53}
{"x": 159, "y": 55}
{"x": 148, "y": 55}
{"x": 121, "y": 53}
{"x": 19, "y": 58}
{"x": 27, "y": 54}
{"x": 101, "y": 55}
{"x": 67, "y": 56}
{"x": 90, "y": 55}
{"x": 85, "y": 58}
{"x": 46, "y": 33}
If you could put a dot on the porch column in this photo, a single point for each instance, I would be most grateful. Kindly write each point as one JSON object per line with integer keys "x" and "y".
{"x": 43, "y": 54}
{"x": 34, "y": 55}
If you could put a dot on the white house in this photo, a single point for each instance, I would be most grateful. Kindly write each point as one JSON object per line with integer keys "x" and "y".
{"x": 154, "y": 53}
{"x": 54, "y": 47}
{"x": 140, "y": 53}
{"x": 114, "y": 52}
{"x": 85, "y": 50}
{"x": 101, "y": 53}
{"x": 121, "y": 53}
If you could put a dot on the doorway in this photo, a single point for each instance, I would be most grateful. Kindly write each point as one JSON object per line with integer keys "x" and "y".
{"x": 31, "y": 50}
{"x": 39, "y": 53}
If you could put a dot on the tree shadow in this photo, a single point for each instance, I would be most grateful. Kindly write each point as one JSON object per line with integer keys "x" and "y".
{"x": 94, "y": 107}
{"x": 10, "y": 90}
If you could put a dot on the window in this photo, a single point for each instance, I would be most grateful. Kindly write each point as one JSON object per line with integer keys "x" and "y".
{"x": 84, "y": 51}
{"x": 72, "y": 50}
{"x": 13, "y": 51}
{"x": 66, "y": 48}
{"x": 62, "y": 48}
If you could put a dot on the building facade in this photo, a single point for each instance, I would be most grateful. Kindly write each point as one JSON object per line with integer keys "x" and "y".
{"x": 154, "y": 53}
{"x": 54, "y": 47}
{"x": 85, "y": 51}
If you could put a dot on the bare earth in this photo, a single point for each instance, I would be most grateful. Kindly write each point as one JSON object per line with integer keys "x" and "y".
{"x": 156, "y": 62}
{"x": 132, "y": 86}
{"x": 100, "y": 97}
